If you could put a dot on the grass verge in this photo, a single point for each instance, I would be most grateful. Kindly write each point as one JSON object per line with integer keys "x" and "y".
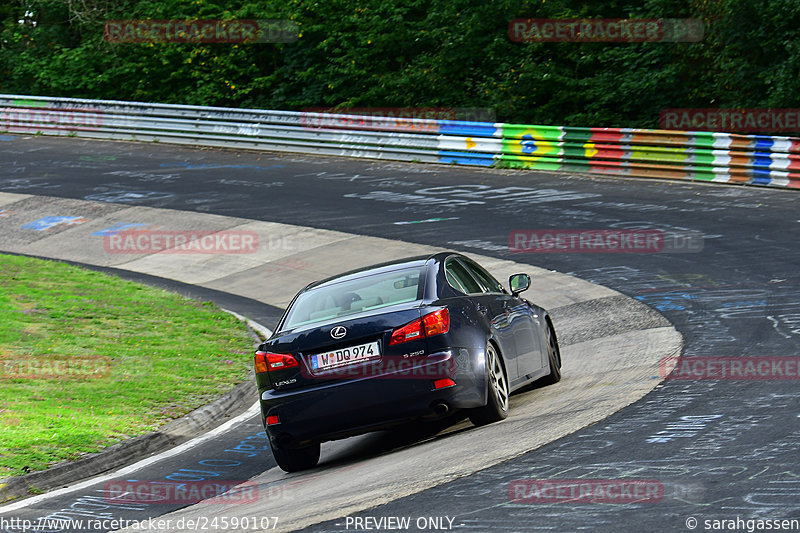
{"x": 88, "y": 360}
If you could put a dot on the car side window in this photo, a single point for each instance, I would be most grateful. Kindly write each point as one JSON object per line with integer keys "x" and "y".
{"x": 491, "y": 284}
{"x": 454, "y": 270}
{"x": 451, "y": 279}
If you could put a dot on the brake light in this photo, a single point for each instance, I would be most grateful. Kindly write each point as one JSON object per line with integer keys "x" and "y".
{"x": 267, "y": 361}
{"x": 429, "y": 325}
{"x": 272, "y": 420}
{"x": 409, "y": 332}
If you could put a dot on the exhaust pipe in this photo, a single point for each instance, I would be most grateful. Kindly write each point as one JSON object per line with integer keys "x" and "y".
{"x": 441, "y": 408}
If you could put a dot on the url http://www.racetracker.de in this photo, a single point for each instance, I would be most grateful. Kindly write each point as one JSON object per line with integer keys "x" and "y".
{"x": 217, "y": 523}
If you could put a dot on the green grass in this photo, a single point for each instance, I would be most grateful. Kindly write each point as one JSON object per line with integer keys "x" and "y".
{"x": 88, "y": 360}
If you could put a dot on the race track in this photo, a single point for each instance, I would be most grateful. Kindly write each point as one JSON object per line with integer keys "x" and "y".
{"x": 719, "y": 448}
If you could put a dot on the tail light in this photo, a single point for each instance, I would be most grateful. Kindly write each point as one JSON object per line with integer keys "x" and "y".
{"x": 429, "y": 325}
{"x": 409, "y": 332}
{"x": 268, "y": 362}
{"x": 437, "y": 322}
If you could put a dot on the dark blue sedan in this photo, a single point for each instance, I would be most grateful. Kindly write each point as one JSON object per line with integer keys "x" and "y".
{"x": 401, "y": 341}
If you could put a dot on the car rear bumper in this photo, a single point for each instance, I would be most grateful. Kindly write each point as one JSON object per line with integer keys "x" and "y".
{"x": 342, "y": 408}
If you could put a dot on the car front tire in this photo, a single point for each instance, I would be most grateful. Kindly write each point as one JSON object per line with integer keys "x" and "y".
{"x": 553, "y": 357}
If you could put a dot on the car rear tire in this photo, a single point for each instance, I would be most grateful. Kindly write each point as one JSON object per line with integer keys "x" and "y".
{"x": 296, "y": 459}
{"x": 553, "y": 357}
{"x": 496, "y": 407}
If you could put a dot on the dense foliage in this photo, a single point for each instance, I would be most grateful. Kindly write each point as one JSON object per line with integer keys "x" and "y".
{"x": 421, "y": 53}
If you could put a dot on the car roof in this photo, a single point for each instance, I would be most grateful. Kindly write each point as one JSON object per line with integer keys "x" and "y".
{"x": 397, "y": 264}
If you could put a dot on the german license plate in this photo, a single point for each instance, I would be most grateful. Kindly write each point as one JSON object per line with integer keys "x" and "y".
{"x": 345, "y": 356}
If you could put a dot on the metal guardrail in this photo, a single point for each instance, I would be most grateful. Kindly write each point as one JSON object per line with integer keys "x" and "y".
{"x": 706, "y": 156}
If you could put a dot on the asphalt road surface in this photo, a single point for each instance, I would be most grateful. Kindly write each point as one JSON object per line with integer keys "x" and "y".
{"x": 713, "y": 449}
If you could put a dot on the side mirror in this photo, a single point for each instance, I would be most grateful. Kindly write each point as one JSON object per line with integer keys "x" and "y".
{"x": 519, "y": 283}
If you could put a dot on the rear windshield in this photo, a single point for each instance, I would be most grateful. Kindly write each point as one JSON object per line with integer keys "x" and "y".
{"x": 355, "y": 296}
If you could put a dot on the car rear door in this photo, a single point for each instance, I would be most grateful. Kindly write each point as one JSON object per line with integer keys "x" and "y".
{"x": 518, "y": 318}
{"x": 488, "y": 305}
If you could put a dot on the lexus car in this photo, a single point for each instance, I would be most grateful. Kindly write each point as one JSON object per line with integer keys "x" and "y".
{"x": 397, "y": 342}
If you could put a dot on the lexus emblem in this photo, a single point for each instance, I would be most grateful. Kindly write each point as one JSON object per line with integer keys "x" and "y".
{"x": 338, "y": 332}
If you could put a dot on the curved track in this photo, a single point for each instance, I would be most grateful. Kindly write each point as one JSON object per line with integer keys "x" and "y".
{"x": 721, "y": 449}
{"x": 609, "y": 363}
